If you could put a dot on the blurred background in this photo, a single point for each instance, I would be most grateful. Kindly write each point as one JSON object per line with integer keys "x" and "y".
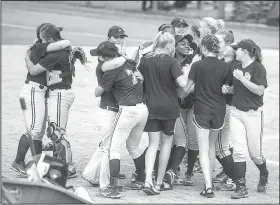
{"x": 263, "y": 12}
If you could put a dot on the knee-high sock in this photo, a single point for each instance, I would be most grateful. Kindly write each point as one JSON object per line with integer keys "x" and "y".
{"x": 114, "y": 165}
{"x": 262, "y": 168}
{"x": 156, "y": 163}
{"x": 178, "y": 156}
{"x": 228, "y": 166}
{"x": 171, "y": 157}
{"x": 239, "y": 170}
{"x": 23, "y": 147}
{"x": 140, "y": 166}
{"x": 192, "y": 156}
{"x": 38, "y": 146}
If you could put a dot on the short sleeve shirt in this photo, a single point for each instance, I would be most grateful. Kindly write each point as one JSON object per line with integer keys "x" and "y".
{"x": 58, "y": 60}
{"x": 37, "y": 52}
{"x": 187, "y": 102}
{"x": 243, "y": 98}
{"x": 232, "y": 65}
{"x": 160, "y": 72}
{"x": 127, "y": 89}
{"x": 107, "y": 98}
{"x": 209, "y": 75}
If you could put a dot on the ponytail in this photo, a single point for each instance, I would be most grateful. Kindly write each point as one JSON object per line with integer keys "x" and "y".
{"x": 257, "y": 53}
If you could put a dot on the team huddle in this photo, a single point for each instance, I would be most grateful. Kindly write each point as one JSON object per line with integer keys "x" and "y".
{"x": 195, "y": 90}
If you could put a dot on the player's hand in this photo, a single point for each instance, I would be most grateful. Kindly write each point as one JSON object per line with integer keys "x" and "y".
{"x": 138, "y": 75}
{"x": 186, "y": 69}
{"x": 225, "y": 89}
{"x": 238, "y": 74}
{"x": 191, "y": 90}
{"x": 196, "y": 58}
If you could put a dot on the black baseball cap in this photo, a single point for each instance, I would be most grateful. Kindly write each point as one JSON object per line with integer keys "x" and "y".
{"x": 178, "y": 38}
{"x": 243, "y": 44}
{"x": 178, "y": 21}
{"x": 106, "y": 49}
{"x": 116, "y": 31}
{"x": 52, "y": 25}
{"x": 164, "y": 26}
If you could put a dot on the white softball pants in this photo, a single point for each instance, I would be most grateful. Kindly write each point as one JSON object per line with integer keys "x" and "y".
{"x": 36, "y": 108}
{"x": 224, "y": 141}
{"x": 60, "y": 102}
{"x": 130, "y": 123}
{"x": 246, "y": 131}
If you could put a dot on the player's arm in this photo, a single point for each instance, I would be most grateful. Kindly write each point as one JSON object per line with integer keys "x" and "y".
{"x": 254, "y": 88}
{"x": 45, "y": 64}
{"x": 33, "y": 69}
{"x": 106, "y": 83}
{"x": 59, "y": 45}
{"x": 257, "y": 86}
{"x": 98, "y": 91}
{"x": 186, "y": 90}
{"x": 113, "y": 63}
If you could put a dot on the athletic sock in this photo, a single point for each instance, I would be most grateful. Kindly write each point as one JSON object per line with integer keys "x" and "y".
{"x": 231, "y": 150}
{"x": 140, "y": 166}
{"x": 192, "y": 156}
{"x": 228, "y": 166}
{"x": 38, "y": 146}
{"x": 23, "y": 147}
{"x": 262, "y": 168}
{"x": 178, "y": 156}
{"x": 239, "y": 170}
{"x": 156, "y": 163}
{"x": 171, "y": 157}
{"x": 114, "y": 165}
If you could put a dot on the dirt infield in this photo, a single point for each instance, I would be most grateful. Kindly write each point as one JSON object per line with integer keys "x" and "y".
{"x": 19, "y": 32}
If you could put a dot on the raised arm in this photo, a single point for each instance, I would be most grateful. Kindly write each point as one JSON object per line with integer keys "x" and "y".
{"x": 113, "y": 63}
{"x": 59, "y": 45}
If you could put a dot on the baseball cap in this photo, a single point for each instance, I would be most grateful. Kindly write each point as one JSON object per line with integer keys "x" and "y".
{"x": 178, "y": 38}
{"x": 164, "y": 26}
{"x": 52, "y": 25}
{"x": 105, "y": 48}
{"x": 178, "y": 21}
{"x": 116, "y": 31}
{"x": 51, "y": 29}
{"x": 243, "y": 44}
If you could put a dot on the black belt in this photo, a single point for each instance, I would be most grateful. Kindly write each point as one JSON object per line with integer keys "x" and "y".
{"x": 66, "y": 88}
{"x": 247, "y": 109}
{"x": 114, "y": 109}
{"x": 40, "y": 85}
{"x": 136, "y": 104}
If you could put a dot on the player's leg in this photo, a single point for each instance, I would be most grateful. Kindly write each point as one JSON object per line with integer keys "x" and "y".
{"x": 224, "y": 155}
{"x": 254, "y": 122}
{"x": 60, "y": 102}
{"x": 180, "y": 138}
{"x": 202, "y": 127}
{"x": 35, "y": 112}
{"x": 136, "y": 152}
{"x": 193, "y": 150}
{"x": 39, "y": 129}
{"x": 238, "y": 138}
{"x": 125, "y": 123}
{"x": 153, "y": 129}
{"x": 167, "y": 128}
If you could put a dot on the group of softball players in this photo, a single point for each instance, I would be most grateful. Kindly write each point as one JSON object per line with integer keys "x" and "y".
{"x": 204, "y": 94}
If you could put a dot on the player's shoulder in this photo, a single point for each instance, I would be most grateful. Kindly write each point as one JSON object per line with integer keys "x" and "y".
{"x": 258, "y": 66}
